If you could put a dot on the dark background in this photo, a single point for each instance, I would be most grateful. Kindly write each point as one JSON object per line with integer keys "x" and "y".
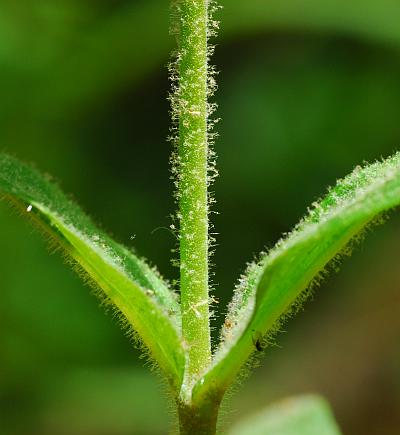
{"x": 308, "y": 90}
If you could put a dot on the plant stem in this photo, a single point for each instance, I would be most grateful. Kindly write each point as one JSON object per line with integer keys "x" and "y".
{"x": 199, "y": 420}
{"x": 192, "y": 182}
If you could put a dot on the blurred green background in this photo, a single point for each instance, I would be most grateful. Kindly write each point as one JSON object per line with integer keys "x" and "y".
{"x": 308, "y": 90}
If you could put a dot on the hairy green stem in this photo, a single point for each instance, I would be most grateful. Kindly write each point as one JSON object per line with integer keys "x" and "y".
{"x": 191, "y": 101}
{"x": 199, "y": 420}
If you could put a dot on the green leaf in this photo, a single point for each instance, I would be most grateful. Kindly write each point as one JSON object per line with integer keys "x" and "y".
{"x": 275, "y": 287}
{"x": 128, "y": 283}
{"x": 304, "y": 415}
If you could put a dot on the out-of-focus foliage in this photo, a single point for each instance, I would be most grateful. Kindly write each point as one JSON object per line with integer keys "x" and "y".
{"x": 308, "y": 89}
{"x": 304, "y": 415}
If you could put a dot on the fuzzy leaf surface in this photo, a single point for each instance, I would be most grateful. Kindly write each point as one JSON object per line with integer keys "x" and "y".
{"x": 304, "y": 415}
{"x": 274, "y": 288}
{"x": 126, "y": 281}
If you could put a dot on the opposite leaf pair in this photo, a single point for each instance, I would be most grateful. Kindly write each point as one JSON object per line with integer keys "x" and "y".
{"x": 267, "y": 293}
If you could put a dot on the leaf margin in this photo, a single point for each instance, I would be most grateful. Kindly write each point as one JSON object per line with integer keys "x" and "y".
{"x": 19, "y": 185}
{"x": 378, "y": 181}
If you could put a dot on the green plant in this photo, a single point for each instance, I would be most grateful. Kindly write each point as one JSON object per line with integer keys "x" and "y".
{"x": 176, "y": 332}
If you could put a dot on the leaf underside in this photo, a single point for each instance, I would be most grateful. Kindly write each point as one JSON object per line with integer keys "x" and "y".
{"x": 275, "y": 287}
{"x": 304, "y": 415}
{"x": 138, "y": 292}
